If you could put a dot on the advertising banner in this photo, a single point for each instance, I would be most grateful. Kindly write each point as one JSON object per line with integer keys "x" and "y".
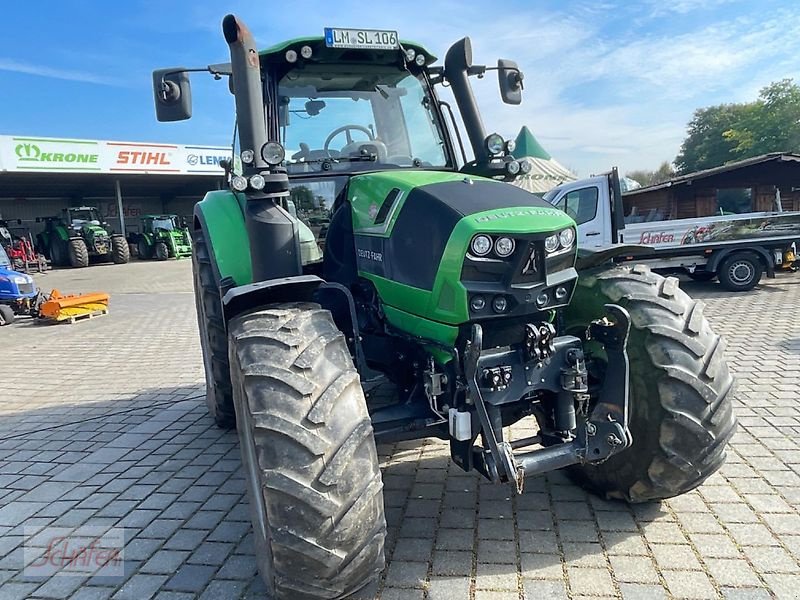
{"x": 99, "y": 156}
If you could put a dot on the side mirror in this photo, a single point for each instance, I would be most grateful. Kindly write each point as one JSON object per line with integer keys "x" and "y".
{"x": 510, "y": 79}
{"x": 173, "y": 94}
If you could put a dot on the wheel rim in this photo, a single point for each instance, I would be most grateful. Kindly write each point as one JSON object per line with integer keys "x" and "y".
{"x": 741, "y": 272}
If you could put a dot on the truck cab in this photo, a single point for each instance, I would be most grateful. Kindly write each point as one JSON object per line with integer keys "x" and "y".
{"x": 675, "y": 237}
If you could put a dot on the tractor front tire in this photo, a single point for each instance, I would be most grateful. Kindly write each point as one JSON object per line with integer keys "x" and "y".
{"x": 78, "y": 253}
{"x": 680, "y": 409}
{"x": 120, "y": 251}
{"x": 308, "y": 452}
{"x": 213, "y": 339}
{"x": 162, "y": 252}
{"x": 6, "y": 315}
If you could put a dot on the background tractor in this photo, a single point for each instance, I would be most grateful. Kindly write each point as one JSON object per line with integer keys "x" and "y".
{"x": 162, "y": 237}
{"x": 17, "y": 242}
{"x": 80, "y": 235}
{"x": 437, "y": 276}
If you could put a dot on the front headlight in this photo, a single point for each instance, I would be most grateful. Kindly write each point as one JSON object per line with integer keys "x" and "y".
{"x": 495, "y": 144}
{"x": 567, "y": 237}
{"x": 551, "y": 243}
{"x": 504, "y": 246}
{"x": 19, "y": 279}
{"x": 481, "y": 245}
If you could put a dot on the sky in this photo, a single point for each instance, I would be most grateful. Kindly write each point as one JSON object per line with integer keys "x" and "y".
{"x": 606, "y": 83}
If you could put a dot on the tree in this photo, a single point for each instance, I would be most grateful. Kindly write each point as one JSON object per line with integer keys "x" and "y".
{"x": 302, "y": 197}
{"x": 719, "y": 134}
{"x": 644, "y": 177}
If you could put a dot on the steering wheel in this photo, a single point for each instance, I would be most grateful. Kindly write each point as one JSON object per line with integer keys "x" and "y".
{"x": 346, "y": 130}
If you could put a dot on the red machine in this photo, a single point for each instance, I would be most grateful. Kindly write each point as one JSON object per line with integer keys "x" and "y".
{"x": 20, "y": 250}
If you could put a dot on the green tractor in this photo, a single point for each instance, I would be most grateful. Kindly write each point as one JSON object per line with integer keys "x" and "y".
{"x": 162, "y": 237}
{"x": 80, "y": 235}
{"x": 464, "y": 292}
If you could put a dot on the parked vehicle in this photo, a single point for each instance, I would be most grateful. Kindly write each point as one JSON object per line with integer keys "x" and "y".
{"x": 18, "y": 244}
{"x": 162, "y": 237}
{"x": 736, "y": 248}
{"x": 460, "y": 289}
{"x": 80, "y": 235}
{"x": 18, "y": 291}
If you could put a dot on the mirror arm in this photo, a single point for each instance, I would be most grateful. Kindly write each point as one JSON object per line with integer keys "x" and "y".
{"x": 480, "y": 71}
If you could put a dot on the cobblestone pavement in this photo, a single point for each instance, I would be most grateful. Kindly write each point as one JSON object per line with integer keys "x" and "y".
{"x": 103, "y": 423}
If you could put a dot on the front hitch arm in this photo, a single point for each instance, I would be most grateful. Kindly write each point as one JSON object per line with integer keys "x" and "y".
{"x": 604, "y": 434}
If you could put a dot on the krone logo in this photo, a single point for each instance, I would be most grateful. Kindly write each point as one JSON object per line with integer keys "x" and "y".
{"x": 27, "y": 151}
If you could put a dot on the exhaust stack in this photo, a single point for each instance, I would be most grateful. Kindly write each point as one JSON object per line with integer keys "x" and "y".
{"x": 456, "y": 66}
{"x": 248, "y": 90}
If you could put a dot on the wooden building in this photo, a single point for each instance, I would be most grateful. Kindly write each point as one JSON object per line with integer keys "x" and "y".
{"x": 766, "y": 183}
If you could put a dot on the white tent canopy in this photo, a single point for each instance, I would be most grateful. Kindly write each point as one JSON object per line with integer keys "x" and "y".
{"x": 546, "y": 172}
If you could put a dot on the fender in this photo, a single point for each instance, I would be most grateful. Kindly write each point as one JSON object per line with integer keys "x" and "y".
{"x": 766, "y": 257}
{"x": 220, "y": 215}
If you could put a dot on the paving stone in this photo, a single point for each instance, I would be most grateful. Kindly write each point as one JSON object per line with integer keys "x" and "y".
{"x": 190, "y": 578}
{"x": 542, "y": 566}
{"x": 140, "y": 587}
{"x": 491, "y": 576}
{"x": 554, "y": 590}
{"x": 689, "y": 584}
{"x": 633, "y": 569}
{"x": 590, "y": 581}
{"x": 448, "y": 588}
{"x": 451, "y": 562}
{"x": 406, "y": 573}
{"x": 640, "y": 591}
{"x": 732, "y": 572}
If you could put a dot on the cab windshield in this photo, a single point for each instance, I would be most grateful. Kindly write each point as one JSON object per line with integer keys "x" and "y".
{"x": 84, "y": 214}
{"x": 350, "y": 117}
{"x": 165, "y": 223}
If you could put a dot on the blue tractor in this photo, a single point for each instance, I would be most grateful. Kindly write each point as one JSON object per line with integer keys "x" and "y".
{"x": 18, "y": 292}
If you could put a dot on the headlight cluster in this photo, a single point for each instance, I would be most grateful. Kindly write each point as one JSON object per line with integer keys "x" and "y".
{"x": 500, "y": 303}
{"x": 20, "y": 279}
{"x": 560, "y": 241}
{"x": 552, "y": 296}
{"x": 483, "y": 244}
{"x": 273, "y": 154}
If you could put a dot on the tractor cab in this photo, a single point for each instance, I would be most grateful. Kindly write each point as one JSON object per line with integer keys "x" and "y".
{"x": 152, "y": 223}
{"x": 77, "y": 217}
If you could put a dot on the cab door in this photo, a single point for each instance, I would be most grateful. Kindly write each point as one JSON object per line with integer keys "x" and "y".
{"x": 585, "y": 205}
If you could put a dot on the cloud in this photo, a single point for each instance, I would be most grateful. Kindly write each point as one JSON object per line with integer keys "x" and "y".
{"x": 16, "y": 66}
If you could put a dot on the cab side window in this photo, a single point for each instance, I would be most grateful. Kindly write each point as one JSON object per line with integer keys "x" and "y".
{"x": 581, "y": 204}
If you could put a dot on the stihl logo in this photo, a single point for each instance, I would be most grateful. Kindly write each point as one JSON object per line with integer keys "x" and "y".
{"x": 126, "y": 157}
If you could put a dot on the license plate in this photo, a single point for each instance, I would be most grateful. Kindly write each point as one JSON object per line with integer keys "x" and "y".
{"x": 365, "y": 39}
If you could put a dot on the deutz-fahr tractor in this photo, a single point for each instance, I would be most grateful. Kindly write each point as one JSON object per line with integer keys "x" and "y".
{"x": 162, "y": 237}
{"x": 78, "y": 236}
{"x": 458, "y": 288}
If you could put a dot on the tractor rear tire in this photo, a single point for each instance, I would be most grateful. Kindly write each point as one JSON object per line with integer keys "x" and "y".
{"x": 162, "y": 252}
{"x": 213, "y": 339}
{"x": 57, "y": 252}
{"x": 680, "y": 408}
{"x": 78, "y": 253}
{"x": 6, "y": 315}
{"x": 309, "y": 454}
{"x": 143, "y": 250}
{"x": 120, "y": 251}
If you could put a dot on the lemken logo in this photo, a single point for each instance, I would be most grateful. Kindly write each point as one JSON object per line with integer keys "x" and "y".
{"x": 33, "y": 153}
{"x": 204, "y": 159}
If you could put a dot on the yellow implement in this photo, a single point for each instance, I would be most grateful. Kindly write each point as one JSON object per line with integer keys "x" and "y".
{"x": 72, "y": 307}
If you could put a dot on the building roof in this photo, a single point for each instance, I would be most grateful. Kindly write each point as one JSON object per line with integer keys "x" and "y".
{"x": 776, "y": 157}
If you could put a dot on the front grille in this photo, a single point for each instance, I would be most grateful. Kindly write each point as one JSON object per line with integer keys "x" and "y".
{"x": 25, "y": 288}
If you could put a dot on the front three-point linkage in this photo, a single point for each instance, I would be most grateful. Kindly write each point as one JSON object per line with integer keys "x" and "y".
{"x": 593, "y": 439}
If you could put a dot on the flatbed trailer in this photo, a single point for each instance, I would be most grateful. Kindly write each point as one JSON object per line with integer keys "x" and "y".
{"x": 736, "y": 248}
